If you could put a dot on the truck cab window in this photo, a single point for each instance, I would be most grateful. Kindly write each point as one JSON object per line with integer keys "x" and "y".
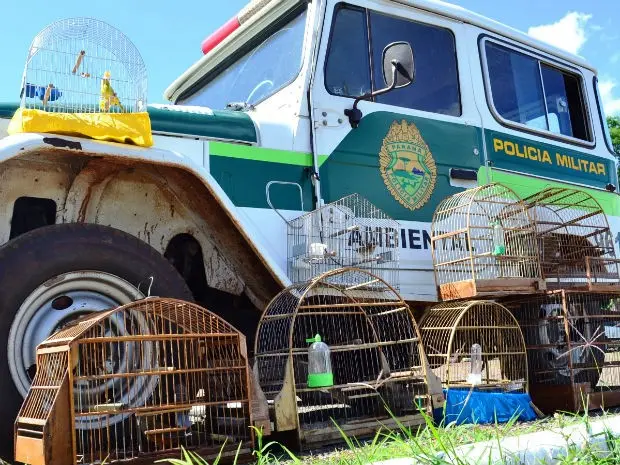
{"x": 351, "y": 51}
{"x": 258, "y": 74}
{"x": 347, "y": 69}
{"x": 436, "y": 85}
{"x": 526, "y": 91}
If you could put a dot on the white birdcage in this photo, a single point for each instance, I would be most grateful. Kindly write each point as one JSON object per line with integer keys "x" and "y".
{"x": 350, "y": 232}
{"x": 83, "y": 65}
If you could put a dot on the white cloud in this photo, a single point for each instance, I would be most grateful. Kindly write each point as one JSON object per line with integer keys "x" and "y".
{"x": 610, "y": 103}
{"x": 569, "y": 33}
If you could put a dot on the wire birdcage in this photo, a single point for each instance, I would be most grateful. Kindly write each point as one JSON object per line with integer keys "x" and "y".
{"x": 350, "y": 232}
{"x": 475, "y": 344}
{"x": 484, "y": 243}
{"x": 575, "y": 241}
{"x": 375, "y": 354}
{"x": 83, "y": 65}
{"x": 138, "y": 381}
{"x": 573, "y": 345}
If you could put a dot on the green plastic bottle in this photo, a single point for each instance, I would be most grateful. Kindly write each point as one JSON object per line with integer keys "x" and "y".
{"x": 499, "y": 243}
{"x": 319, "y": 364}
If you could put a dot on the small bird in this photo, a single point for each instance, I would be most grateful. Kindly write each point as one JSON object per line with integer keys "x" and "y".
{"x": 108, "y": 96}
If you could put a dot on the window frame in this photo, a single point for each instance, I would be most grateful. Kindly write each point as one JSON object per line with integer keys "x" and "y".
{"x": 367, "y": 11}
{"x": 602, "y": 116}
{"x": 542, "y": 60}
{"x": 248, "y": 47}
{"x": 338, "y": 6}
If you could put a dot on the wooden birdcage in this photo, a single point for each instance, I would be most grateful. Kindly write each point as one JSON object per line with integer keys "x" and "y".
{"x": 83, "y": 65}
{"x": 475, "y": 344}
{"x": 376, "y": 358}
{"x": 573, "y": 345}
{"x": 574, "y": 239}
{"x": 137, "y": 382}
{"x": 484, "y": 244}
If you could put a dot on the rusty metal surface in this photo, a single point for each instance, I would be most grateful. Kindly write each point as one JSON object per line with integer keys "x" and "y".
{"x": 149, "y": 200}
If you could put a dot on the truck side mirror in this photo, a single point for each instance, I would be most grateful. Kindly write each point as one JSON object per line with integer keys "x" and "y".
{"x": 398, "y": 72}
{"x": 398, "y": 65}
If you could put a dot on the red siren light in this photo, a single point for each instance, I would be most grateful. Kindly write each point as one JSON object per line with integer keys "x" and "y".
{"x": 252, "y": 9}
{"x": 220, "y": 34}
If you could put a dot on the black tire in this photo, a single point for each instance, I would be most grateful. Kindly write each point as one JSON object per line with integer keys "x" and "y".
{"x": 39, "y": 255}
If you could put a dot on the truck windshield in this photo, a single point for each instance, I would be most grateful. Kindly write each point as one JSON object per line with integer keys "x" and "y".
{"x": 259, "y": 73}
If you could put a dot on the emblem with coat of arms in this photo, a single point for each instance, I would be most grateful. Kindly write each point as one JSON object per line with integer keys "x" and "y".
{"x": 407, "y": 165}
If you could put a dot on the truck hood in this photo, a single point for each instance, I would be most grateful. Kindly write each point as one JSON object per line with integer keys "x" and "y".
{"x": 187, "y": 121}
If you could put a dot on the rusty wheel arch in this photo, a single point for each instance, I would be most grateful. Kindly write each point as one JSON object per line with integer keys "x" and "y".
{"x": 91, "y": 177}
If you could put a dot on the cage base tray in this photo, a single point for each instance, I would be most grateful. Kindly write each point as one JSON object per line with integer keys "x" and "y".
{"x": 550, "y": 398}
{"x": 585, "y": 287}
{"x": 489, "y": 287}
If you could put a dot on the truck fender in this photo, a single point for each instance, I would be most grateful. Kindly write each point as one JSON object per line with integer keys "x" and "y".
{"x": 257, "y": 269}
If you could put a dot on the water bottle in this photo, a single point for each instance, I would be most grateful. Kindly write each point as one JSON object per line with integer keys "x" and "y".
{"x": 475, "y": 369}
{"x": 499, "y": 243}
{"x": 319, "y": 364}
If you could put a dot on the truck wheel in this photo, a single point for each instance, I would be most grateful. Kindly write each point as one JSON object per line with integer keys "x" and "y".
{"x": 54, "y": 274}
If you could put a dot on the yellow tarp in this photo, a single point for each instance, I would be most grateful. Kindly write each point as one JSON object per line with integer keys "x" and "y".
{"x": 127, "y": 128}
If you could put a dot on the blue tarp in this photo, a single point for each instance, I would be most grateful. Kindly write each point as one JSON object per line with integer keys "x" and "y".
{"x": 464, "y": 405}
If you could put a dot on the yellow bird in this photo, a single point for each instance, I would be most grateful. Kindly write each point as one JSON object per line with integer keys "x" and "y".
{"x": 108, "y": 96}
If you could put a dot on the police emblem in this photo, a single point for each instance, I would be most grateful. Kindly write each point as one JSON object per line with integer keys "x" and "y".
{"x": 407, "y": 165}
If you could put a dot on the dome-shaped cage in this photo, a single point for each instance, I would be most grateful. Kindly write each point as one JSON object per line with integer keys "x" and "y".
{"x": 574, "y": 239}
{"x": 83, "y": 65}
{"x": 484, "y": 243}
{"x": 149, "y": 377}
{"x": 375, "y": 350}
{"x": 475, "y": 344}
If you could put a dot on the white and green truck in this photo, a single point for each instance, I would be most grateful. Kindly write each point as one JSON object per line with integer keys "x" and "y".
{"x": 269, "y": 124}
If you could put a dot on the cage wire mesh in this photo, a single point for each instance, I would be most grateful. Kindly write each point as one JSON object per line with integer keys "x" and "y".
{"x": 376, "y": 357}
{"x": 484, "y": 243}
{"x": 574, "y": 239}
{"x": 145, "y": 379}
{"x": 83, "y": 65}
{"x": 476, "y": 344}
{"x": 350, "y": 232}
{"x": 573, "y": 345}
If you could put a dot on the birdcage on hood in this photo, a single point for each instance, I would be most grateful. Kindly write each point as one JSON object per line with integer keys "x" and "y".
{"x": 137, "y": 382}
{"x": 484, "y": 244}
{"x": 84, "y": 78}
{"x": 574, "y": 239}
{"x": 350, "y": 232}
{"x": 83, "y": 65}
{"x": 342, "y": 348}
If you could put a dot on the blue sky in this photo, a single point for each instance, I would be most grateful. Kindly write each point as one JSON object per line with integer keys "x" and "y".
{"x": 169, "y": 34}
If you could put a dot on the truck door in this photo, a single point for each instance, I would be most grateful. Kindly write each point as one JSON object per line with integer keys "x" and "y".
{"x": 415, "y": 145}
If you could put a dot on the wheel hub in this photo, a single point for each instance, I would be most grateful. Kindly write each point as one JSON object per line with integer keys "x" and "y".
{"x": 60, "y": 301}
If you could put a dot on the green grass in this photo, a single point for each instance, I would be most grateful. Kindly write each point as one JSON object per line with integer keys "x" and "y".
{"x": 423, "y": 445}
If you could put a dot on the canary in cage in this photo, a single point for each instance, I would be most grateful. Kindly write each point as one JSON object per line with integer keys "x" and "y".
{"x": 108, "y": 95}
